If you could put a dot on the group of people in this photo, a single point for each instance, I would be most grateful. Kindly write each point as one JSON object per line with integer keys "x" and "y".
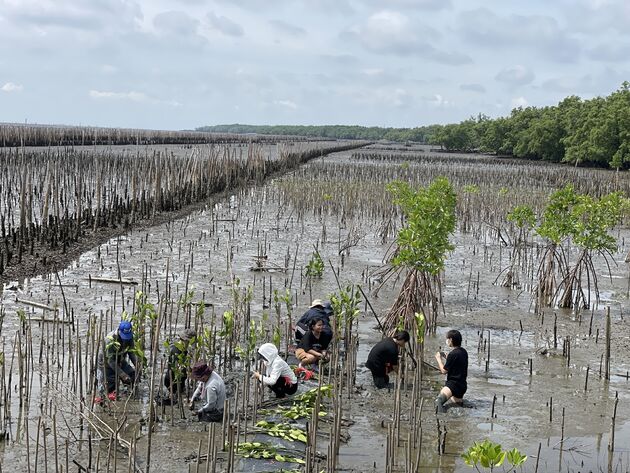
{"x": 313, "y": 333}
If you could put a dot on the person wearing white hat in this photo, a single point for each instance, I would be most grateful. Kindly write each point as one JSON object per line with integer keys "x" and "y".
{"x": 317, "y": 310}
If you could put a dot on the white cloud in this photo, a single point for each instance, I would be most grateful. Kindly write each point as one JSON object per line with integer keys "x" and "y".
{"x": 373, "y": 71}
{"x": 132, "y": 96}
{"x": 439, "y": 101}
{"x": 105, "y": 95}
{"x": 518, "y": 102}
{"x": 286, "y": 104}
{"x": 115, "y": 62}
{"x": 535, "y": 32}
{"x": 11, "y": 87}
{"x": 390, "y": 32}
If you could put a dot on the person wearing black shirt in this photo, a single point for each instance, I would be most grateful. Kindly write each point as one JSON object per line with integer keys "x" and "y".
{"x": 317, "y": 310}
{"x": 384, "y": 357}
{"x": 456, "y": 371}
{"x": 313, "y": 345}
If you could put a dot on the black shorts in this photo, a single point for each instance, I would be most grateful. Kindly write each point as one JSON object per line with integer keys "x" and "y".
{"x": 458, "y": 389}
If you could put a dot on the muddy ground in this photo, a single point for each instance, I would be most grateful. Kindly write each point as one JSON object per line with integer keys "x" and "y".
{"x": 239, "y": 224}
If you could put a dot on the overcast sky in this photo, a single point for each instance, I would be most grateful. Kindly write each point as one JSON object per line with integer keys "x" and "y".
{"x": 186, "y": 63}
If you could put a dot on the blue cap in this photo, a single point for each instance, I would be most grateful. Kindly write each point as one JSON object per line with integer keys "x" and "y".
{"x": 124, "y": 330}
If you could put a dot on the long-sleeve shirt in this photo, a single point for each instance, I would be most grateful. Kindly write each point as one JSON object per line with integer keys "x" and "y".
{"x": 275, "y": 366}
{"x": 115, "y": 351}
{"x": 212, "y": 391}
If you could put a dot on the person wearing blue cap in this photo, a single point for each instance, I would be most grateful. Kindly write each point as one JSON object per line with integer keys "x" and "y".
{"x": 117, "y": 360}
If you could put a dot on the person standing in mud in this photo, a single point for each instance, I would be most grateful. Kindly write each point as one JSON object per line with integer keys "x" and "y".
{"x": 383, "y": 358}
{"x": 211, "y": 389}
{"x": 178, "y": 362}
{"x": 456, "y": 371}
{"x": 117, "y": 361}
{"x": 279, "y": 377}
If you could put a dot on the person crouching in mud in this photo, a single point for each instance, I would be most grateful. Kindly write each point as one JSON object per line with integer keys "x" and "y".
{"x": 279, "y": 376}
{"x": 456, "y": 371}
{"x": 383, "y": 358}
{"x": 117, "y": 362}
{"x": 211, "y": 390}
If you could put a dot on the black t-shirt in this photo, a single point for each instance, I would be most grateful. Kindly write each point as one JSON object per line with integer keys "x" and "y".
{"x": 309, "y": 342}
{"x": 385, "y": 351}
{"x": 457, "y": 365}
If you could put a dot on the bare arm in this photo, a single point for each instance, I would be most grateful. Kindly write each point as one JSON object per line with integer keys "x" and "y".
{"x": 438, "y": 358}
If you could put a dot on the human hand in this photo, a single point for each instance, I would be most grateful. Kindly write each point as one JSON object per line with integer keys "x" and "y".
{"x": 125, "y": 379}
{"x": 191, "y": 406}
{"x": 255, "y": 375}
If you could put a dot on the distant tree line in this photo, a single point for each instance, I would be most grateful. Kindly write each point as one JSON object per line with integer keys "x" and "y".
{"x": 594, "y": 132}
{"x": 342, "y": 132}
{"x": 576, "y": 131}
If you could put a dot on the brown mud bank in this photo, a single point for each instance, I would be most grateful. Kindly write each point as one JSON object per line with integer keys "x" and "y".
{"x": 108, "y": 191}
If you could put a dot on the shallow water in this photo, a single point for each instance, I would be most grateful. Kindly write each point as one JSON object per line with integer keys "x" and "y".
{"x": 240, "y": 226}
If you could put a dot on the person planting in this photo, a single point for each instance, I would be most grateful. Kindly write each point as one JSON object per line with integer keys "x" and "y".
{"x": 456, "y": 371}
{"x": 383, "y": 358}
{"x": 117, "y": 361}
{"x": 211, "y": 389}
{"x": 177, "y": 370}
{"x": 317, "y": 310}
{"x": 279, "y": 377}
{"x": 313, "y": 345}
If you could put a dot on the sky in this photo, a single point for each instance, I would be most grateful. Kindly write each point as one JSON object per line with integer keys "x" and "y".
{"x": 180, "y": 64}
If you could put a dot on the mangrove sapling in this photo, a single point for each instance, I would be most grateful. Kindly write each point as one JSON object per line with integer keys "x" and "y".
{"x": 466, "y": 219}
{"x": 345, "y": 307}
{"x": 592, "y": 219}
{"x": 422, "y": 247}
{"x": 523, "y": 217}
{"x": 487, "y": 455}
{"x": 555, "y": 227}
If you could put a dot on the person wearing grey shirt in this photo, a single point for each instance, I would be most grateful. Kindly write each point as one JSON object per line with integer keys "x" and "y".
{"x": 211, "y": 389}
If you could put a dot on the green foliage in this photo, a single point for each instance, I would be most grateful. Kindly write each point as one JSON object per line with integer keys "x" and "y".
{"x": 345, "y": 307}
{"x": 265, "y": 451}
{"x": 490, "y": 455}
{"x": 575, "y": 131}
{"x": 228, "y": 324}
{"x": 420, "y": 326}
{"x": 471, "y": 189}
{"x": 315, "y": 266}
{"x": 255, "y": 332}
{"x": 286, "y": 298}
{"x": 557, "y": 221}
{"x": 282, "y": 430}
{"x": 594, "y": 218}
{"x": 302, "y": 405}
{"x": 585, "y": 219}
{"x": 423, "y": 243}
{"x": 523, "y": 216}
{"x": 418, "y": 134}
